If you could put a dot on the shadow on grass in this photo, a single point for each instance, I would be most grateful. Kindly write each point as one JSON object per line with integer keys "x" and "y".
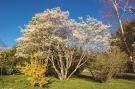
{"x": 50, "y": 81}
{"x": 87, "y": 78}
{"x": 128, "y": 76}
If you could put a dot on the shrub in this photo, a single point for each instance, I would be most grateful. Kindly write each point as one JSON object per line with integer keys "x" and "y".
{"x": 35, "y": 70}
{"x": 107, "y": 64}
{"x": 8, "y": 61}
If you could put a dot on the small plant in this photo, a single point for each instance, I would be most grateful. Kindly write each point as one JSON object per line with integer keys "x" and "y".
{"x": 35, "y": 70}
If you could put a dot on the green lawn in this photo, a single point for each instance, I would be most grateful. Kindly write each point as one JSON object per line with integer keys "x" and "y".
{"x": 83, "y": 82}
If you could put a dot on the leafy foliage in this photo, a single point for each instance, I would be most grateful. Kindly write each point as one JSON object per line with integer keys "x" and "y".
{"x": 129, "y": 30}
{"x": 8, "y": 61}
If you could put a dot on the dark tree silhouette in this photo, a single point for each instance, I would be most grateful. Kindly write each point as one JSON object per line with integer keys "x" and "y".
{"x": 132, "y": 10}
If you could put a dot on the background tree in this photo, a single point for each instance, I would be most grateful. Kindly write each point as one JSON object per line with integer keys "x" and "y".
{"x": 129, "y": 30}
{"x": 132, "y": 10}
{"x": 119, "y": 9}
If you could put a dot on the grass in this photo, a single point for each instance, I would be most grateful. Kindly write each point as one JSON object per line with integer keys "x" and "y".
{"x": 81, "y": 82}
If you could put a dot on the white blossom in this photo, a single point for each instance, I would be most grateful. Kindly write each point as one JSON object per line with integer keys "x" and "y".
{"x": 44, "y": 29}
{"x": 91, "y": 35}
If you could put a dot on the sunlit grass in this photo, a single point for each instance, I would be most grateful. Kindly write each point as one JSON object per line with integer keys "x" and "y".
{"x": 82, "y": 82}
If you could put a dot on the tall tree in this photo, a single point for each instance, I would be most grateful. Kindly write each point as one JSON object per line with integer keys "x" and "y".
{"x": 45, "y": 32}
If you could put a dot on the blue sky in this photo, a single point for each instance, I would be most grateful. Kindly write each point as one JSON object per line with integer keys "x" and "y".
{"x": 17, "y": 13}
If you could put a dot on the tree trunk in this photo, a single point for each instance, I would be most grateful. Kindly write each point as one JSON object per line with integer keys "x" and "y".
{"x": 121, "y": 27}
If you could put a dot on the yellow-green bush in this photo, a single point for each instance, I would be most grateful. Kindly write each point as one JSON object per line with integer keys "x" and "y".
{"x": 35, "y": 70}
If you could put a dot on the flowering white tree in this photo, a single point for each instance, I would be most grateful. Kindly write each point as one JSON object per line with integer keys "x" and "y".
{"x": 53, "y": 31}
{"x": 42, "y": 31}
